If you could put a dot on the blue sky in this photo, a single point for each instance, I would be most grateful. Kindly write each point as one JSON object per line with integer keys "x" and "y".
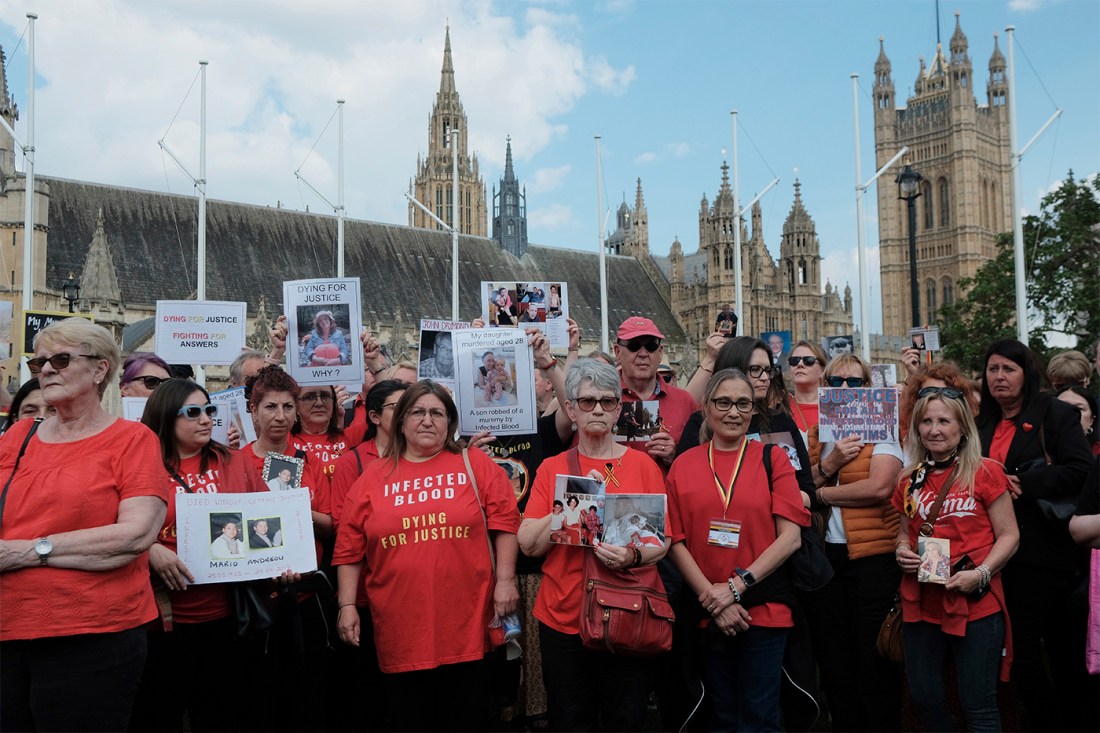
{"x": 655, "y": 79}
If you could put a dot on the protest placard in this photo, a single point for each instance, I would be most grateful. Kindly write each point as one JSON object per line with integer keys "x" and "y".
{"x": 133, "y": 408}
{"x": 226, "y": 538}
{"x": 232, "y": 410}
{"x": 543, "y": 305}
{"x": 437, "y": 355}
{"x": 925, "y": 339}
{"x": 34, "y": 321}
{"x": 323, "y": 323}
{"x": 884, "y": 375}
{"x": 6, "y": 307}
{"x": 870, "y": 413}
{"x": 779, "y": 346}
{"x": 634, "y": 520}
{"x": 495, "y": 388}
{"x": 200, "y": 332}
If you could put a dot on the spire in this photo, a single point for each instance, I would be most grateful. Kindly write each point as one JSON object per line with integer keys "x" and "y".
{"x": 639, "y": 201}
{"x": 997, "y": 86}
{"x": 883, "y": 61}
{"x": 997, "y": 60}
{"x": 447, "y": 82}
{"x": 884, "y": 84}
{"x": 959, "y": 43}
{"x": 7, "y": 108}
{"x": 509, "y": 174}
{"x": 99, "y": 280}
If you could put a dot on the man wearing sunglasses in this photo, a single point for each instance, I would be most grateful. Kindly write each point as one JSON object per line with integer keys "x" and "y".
{"x": 638, "y": 351}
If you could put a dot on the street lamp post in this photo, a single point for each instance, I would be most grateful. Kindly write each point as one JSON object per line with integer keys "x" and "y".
{"x": 908, "y": 191}
{"x": 70, "y": 291}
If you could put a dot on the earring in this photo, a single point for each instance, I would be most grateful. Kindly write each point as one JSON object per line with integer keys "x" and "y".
{"x": 574, "y": 427}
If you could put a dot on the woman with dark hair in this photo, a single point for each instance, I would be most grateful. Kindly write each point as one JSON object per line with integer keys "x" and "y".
{"x": 28, "y": 403}
{"x": 1039, "y": 441}
{"x": 325, "y": 345}
{"x": 200, "y": 627}
{"x": 317, "y": 430}
{"x": 1079, "y": 397}
{"x": 142, "y": 372}
{"x": 736, "y": 581}
{"x": 415, "y": 533}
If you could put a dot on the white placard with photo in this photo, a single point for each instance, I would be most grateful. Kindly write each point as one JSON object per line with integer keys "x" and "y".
{"x": 232, "y": 409}
{"x": 925, "y": 339}
{"x": 133, "y": 408}
{"x": 495, "y": 386}
{"x": 200, "y": 332}
{"x": 226, "y": 538}
{"x": 870, "y": 413}
{"x": 437, "y": 357}
{"x": 324, "y": 320}
{"x": 543, "y": 305}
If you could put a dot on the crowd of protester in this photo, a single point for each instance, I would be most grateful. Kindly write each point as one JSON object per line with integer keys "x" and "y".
{"x": 102, "y": 626}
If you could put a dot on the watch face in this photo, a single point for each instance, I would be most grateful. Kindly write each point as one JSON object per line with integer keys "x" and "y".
{"x": 43, "y": 547}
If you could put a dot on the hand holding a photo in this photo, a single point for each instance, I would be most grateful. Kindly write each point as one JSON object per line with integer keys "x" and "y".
{"x": 169, "y": 567}
{"x": 477, "y": 323}
{"x": 574, "y": 332}
{"x": 845, "y": 449}
{"x": 613, "y": 556}
{"x": 278, "y": 339}
{"x": 908, "y": 560}
{"x": 661, "y": 447}
{"x": 288, "y": 578}
{"x": 910, "y": 359}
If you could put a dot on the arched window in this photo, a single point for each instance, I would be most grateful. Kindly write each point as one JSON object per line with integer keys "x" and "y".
{"x": 930, "y": 301}
{"x": 439, "y": 205}
{"x": 802, "y": 272}
{"x": 511, "y": 228}
{"x": 716, "y": 258}
{"x": 729, "y": 257}
{"x": 926, "y": 203}
{"x": 948, "y": 291}
{"x": 945, "y": 204}
{"x": 450, "y": 207}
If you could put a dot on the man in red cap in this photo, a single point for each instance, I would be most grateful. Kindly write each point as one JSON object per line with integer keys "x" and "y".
{"x": 638, "y": 351}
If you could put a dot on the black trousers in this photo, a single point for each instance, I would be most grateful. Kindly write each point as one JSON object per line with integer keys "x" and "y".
{"x": 85, "y": 682}
{"x": 452, "y": 697}
{"x": 590, "y": 690}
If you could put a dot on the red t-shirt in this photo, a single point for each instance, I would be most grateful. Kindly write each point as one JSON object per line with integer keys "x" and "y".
{"x": 321, "y": 449}
{"x": 63, "y": 487}
{"x": 356, "y": 430}
{"x": 347, "y": 471}
{"x": 559, "y": 600}
{"x": 693, "y": 501}
{"x": 1002, "y": 439}
{"x": 964, "y": 521}
{"x": 208, "y": 601}
{"x": 419, "y": 531}
{"x": 805, "y": 414}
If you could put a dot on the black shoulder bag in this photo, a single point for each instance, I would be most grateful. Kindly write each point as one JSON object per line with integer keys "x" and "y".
{"x": 18, "y": 458}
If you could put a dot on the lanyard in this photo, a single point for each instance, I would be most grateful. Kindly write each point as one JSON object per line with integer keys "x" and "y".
{"x": 726, "y": 495}
{"x": 805, "y": 426}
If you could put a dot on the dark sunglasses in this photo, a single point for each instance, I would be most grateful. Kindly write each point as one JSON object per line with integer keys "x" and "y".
{"x": 949, "y": 392}
{"x": 150, "y": 383}
{"x": 634, "y": 345}
{"x": 588, "y": 404}
{"x": 807, "y": 360}
{"x": 845, "y": 381}
{"x": 667, "y": 377}
{"x": 192, "y": 412}
{"x": 57, "y": 361}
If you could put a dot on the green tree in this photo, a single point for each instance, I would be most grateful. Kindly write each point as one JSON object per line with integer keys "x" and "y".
{"x": 1062, "y": 265}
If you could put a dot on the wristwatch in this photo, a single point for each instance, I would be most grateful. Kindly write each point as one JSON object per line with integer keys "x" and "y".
{"x": 43, "y": 547}
{"x": 745, "y": 575}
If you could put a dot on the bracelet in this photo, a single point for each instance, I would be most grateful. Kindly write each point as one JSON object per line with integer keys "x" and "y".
{"x": 344, "y": 605}
{"x": 637, "y": 557}
{"x": 984, "y": 575}
{"x": 733, "y": 589}
{"x": 821, "y": 498}
{"x": 901, "y": 545}
{"x": 553, "y": 363}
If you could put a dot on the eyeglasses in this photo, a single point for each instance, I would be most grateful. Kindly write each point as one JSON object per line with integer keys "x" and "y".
{"x": 725, "y": 404}
{"x": 949, "y": 392}
{"x": 419, "y": 413}
{"x": 758, "y": 371}
{"x": 807, "y": 360}
{"x": 150, "y": 383}
{"x": 634, "y": 345}
{"x": 845, "y": 381}
{"x": 192, "y": 412}
{"x": 588, "y": 404}
{"x": 57, "y": 361}
{"x": 388, "y": 405}
{"x": 316, "y": 397}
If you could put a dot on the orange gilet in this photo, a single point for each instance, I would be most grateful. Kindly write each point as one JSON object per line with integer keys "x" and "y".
{"x": 871, "y": 530}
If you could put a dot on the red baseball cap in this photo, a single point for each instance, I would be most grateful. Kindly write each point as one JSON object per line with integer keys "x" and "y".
{"x": 637, "y": 326}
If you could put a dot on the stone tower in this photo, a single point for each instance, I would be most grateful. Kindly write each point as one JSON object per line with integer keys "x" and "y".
{"x": 510, "y": 210}
{"x": 433, "y": 182}
{"x": 961, "y": 148}
{"x": 799, "y": 258}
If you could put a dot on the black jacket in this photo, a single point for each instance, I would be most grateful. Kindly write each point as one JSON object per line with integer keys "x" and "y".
{"x": 1043, "y": 542}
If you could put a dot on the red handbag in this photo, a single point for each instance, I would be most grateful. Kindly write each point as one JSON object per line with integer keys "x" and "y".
{"x": 625, "y": 611}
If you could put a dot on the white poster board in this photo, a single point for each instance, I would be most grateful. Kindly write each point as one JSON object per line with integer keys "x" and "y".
{"x": 324, "y": 318}
{"x": 232, "y": 409}
{"x": 133, "y": 408}
{"x": 925, "y": 339}
{"x": 436, "y": 359}
{"x": 226, "y": 538}
{"x": 200, "y": 332}
{"x": 521, "y": 305}
{"x": 870, "y": 413}
{"x": 495, "y": 382}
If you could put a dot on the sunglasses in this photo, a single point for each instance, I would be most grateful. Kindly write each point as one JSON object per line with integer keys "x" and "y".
{"x": 667, "y": 377}
{"x": 150, "y": 383}
{"x": 57, "y": 361}
{"x": 192, "y": 412}
{"x": 806, "y": 360}
{"x": 845, "y": 381}
{"x": 634, "y": 345}
{"x": 588, "y": 404}
{"x": 949, "y": 392}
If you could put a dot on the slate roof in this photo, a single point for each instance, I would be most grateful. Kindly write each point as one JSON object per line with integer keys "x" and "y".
{"x": 252, "y": 249}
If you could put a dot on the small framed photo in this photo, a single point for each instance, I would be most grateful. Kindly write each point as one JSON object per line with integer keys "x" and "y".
{"x": 925, "y": 339}
{"x": 935, "y": 560}
{"x": 282, "y": 472}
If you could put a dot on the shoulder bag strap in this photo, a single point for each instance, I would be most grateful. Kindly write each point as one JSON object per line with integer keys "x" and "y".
{"x": 934, "y": 514}
{"x": 768, "y": 465}
{"x": 18, "y": 458}
{"x": 181, "y": 482}
{"x": 481, "y": 508}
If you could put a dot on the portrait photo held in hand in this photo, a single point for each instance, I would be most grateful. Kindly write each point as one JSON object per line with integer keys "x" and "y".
{"x": 577, "y": 516}
{"x": 282, "y": 472}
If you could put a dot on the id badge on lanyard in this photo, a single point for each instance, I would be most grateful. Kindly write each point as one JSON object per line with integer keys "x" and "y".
{"x": 724, "y": 532}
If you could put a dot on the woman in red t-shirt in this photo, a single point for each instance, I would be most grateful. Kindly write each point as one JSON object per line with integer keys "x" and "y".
{"x": 585, "y": 688}
{"x": 199, "y": 628}
{"x": 316, "y": 431}
{"x": 84, "y": 496}
{"x": 975, "y": 516}
{"x": 413, "y": 529}
{"x": 807, "y": 363}
{"x": 731, "y": 529}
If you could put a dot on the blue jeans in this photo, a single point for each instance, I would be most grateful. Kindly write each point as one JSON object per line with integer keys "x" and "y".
{"x": 742, "y": 675}
{"x": 977, "y": 658}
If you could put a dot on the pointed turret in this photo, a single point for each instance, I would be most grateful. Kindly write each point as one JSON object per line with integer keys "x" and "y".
{"x": 10, "y": 113}
{"x": 997, "y": 86}
{"x": 883, "y": 89}
{"x": 509, "y": 174}
{"x": 99, "y": 279}
{"x": 962, "y": 72}
{"x": 959, "y": 44}
{"x": 447, "y": 80}
{"x": 510, "y": 209}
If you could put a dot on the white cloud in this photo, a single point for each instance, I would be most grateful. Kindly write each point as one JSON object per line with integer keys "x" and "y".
{"x": 644, "y": 158}
{"x": 1024, "y": 6}
{"x": 547, "y": 179}
{"x": 549, "y": 218}
{"x": 679, "y": 150}
{"x": 607, "y": 78}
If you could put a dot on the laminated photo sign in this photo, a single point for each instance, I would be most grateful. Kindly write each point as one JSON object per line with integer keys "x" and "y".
{"x": 437, "y": 355}
{"x": 542, "y": 305}
{"x": 870, "y": 413}
{"x": 323, "y": 325}
{"x": 495, "y": 387}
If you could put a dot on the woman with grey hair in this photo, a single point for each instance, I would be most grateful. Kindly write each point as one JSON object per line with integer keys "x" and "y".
{"x": 593, "y": 402}
{"x": 84, "y": 496}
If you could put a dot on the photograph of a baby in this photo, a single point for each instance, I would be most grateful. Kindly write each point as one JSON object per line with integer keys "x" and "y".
{"x": 496, "y": 378}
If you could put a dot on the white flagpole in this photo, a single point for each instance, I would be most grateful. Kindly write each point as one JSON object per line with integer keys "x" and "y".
{"x": 454, "y": 224}
{"x": 340, "y": 199}
{"x": 603, "y": 253}
{"x": 739, "y": 298}
{"x": 1017, "y": 185}
{"x": 28, "y": 202}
